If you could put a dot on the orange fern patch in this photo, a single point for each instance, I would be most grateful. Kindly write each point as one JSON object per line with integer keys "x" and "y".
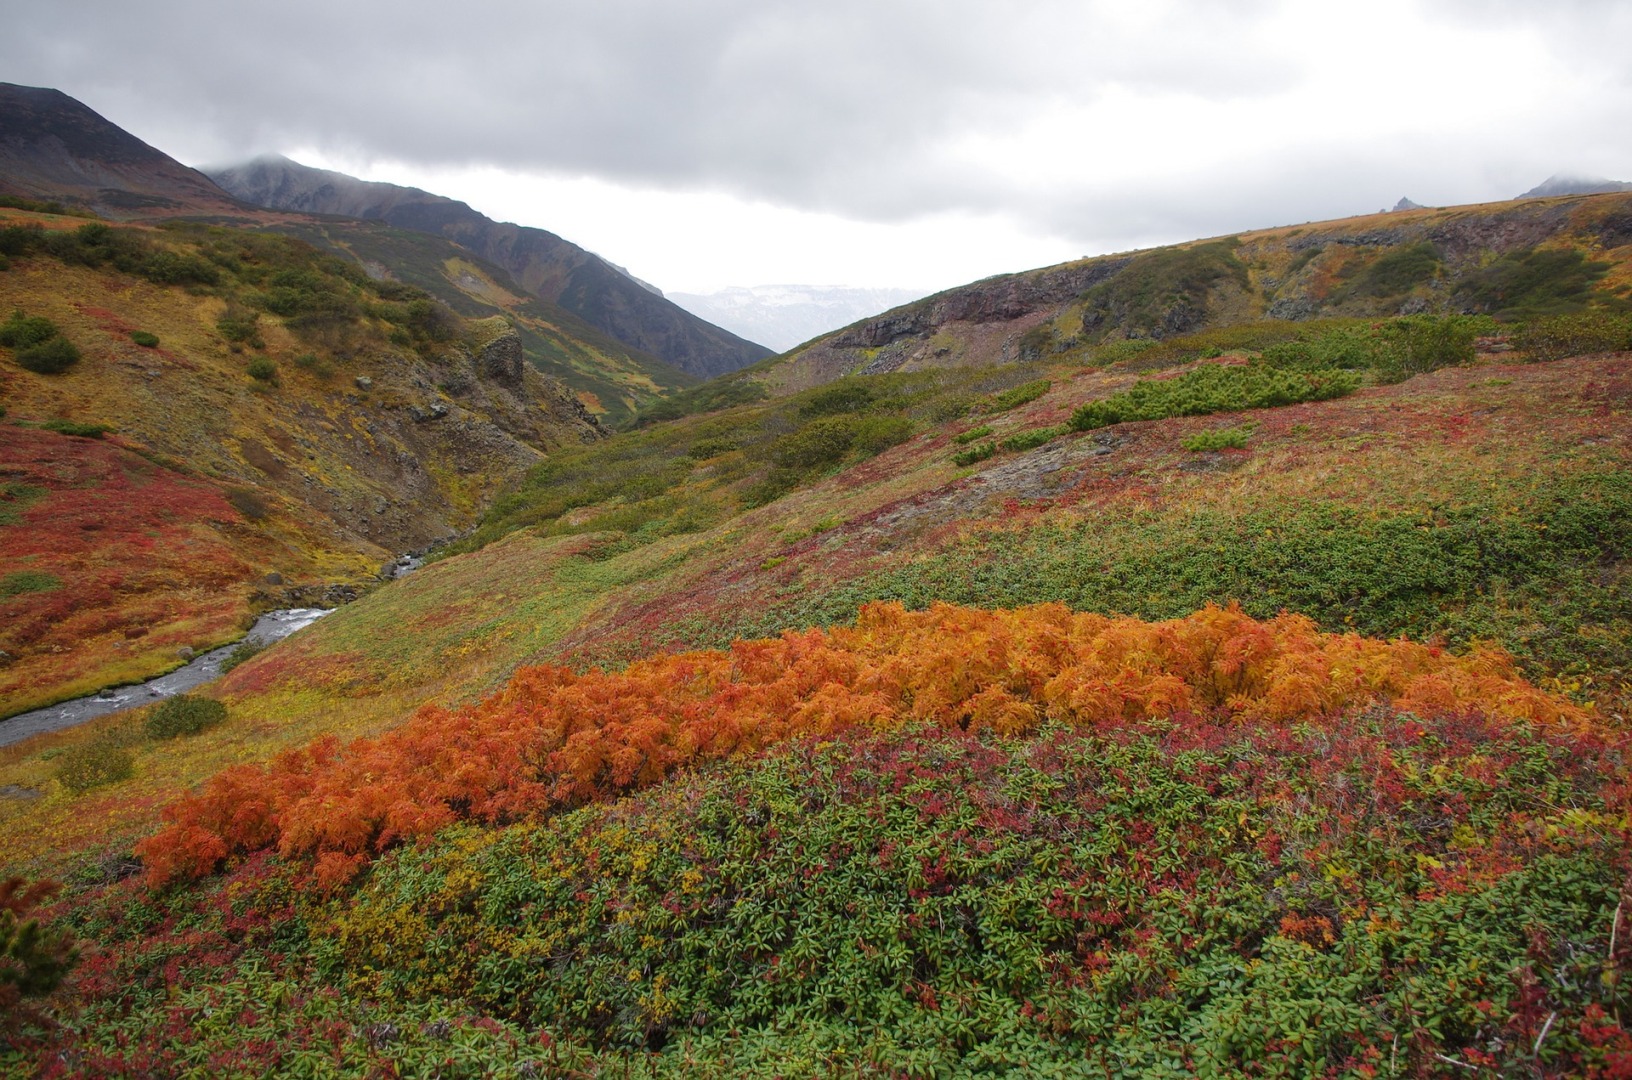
{"x": 554, "y": 739}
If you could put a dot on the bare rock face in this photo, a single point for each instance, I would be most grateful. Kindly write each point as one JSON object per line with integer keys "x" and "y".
{"x": 501, "y": 360}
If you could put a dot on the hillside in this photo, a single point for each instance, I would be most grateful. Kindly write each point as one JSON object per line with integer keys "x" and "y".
{"x": 53, "y": 147}
{"x": 1245, "y": 700}
{"x": 545, "y": 265}
{"x": 284, "y": 423}
{"x": 1505, "y": 259}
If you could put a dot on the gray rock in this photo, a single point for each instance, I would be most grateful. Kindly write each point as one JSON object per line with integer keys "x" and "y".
{"x": 502, "y": 360}
{"x": 364, "y": 382}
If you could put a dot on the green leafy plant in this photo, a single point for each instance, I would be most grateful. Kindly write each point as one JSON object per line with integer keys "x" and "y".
{"x": 1560, "y": 336}
{"x": 977, "y": 453}
{"x": 262, "y": 369}
{"x": 1020, "y": 395}
{"x": 183, "y": 714}
{"x": 33, "y": 959}
{"x": 50, "y": 357}
{"x": 83, "y": 431}
{"x": 145, "y": 339}
{"x": 1030, "y": 440}
{"x": 1233, "y": 438}
{"x": 244, "y": 650}
{"x": 972, "y": 434}
{"x": 1211, "y": 388}
{"x": 19, "y": 582}
{"x": 97, "y": 762}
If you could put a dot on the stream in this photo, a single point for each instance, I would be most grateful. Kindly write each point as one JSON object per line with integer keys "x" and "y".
{"x": 206, "y": 667}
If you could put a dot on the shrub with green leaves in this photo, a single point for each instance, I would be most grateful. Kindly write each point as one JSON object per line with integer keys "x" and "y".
{"x": 1233, "y": 438}
{"x": 19, "y": 582}
{"x": 103, "y": 760}
{"x": 974, "y": 454}
{"x": 22, "y": 331}
{"x": 1030, "y": 440}
{"x": 145, "y": 339}
{"x": 1023, "y": 394}
{"x": 50, "y": 357}
{"x": 1211, "y": 388}
{"x": 1560, "y": 336}
{"x": 183, "y": 714}
{"x": 82, "y": 431}
{"x": 262, "y": 369}
{"x": 243, "y": 651}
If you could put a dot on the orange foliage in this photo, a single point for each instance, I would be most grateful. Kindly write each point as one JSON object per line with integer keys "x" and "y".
{"x": 554, "y": 739}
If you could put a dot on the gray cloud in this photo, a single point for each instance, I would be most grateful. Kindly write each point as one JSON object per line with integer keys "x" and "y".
{"x": 851, "y": 106}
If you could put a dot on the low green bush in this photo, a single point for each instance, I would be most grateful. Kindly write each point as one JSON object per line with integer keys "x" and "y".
{"x": 50, "y": 357}
{"x": 19, "y": 582}
{"x": 144, "y": 339}
{"x": 243, "y": 651}
{"x": 183, "y": 715}
{"x": 1212, "y": 388}
{"x": 1234, "y": 438}
{"x": 972, "y": 434}
{"x": 1561, "y": 336}
{"x": 1030, "y": 440}
{"x": 262, "y": 370}
{"x": 103, "y": 760}
{"x": 22, "y": 331}
{"x": 1020, "y": 395}
{"x": 976, "y": 453}
{"x": 83, "y": 431}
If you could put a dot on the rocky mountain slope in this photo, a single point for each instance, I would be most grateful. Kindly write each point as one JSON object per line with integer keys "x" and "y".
{"x": 322, "y": 422}
{"x": 1563, "y": 184}
{"x": 1504, "y": 259}
{"x": 542, "y": 263}
{"x": 53, "y": 147}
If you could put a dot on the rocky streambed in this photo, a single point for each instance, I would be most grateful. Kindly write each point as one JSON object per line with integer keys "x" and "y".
{"x": 273, "y": 626}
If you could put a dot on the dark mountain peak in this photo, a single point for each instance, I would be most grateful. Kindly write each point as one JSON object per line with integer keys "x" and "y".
{"x": 556, "y": 270}
{"x": 52, "y": 146}
{"x": 1565, "y": 184}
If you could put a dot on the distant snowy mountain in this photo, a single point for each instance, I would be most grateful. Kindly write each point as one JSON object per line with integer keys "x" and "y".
{"x": 782, "y": 316}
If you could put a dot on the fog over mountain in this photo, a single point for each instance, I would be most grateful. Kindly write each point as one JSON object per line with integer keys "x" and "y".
{"x": 782, "y": 316}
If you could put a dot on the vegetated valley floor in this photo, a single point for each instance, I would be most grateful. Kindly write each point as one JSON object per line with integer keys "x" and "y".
{"x": 1377, "y": 891}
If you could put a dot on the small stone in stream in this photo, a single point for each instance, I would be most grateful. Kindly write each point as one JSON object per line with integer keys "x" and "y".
{"x": 105, "y": 694}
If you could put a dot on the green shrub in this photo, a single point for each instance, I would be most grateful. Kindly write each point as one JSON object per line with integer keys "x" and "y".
{"x": 1020, "y": 395}
{"x": 19, "y": 582}
{"x": 262, "y": 370}
{"x": 144, "y": 339}
{"x": 972, "y": 434}
{"x": 822, "y": 442}
{"x": 1531, "y": 283}
{"x": 703, "y": 449}
{"x": 1212, "y": 388}
{"x": 244, "y": 650}
{"x": 1234, "y": 438}
{"x": 22, "y": 331}
{"x": 844, "y": 396}
{"x": 183, "y": 715}
{"x": 98, "y": 762}
{"x": 50, "y": 357}
{"x": 83, "y": 431}
{"x": 1397, "y": 271}
{"x": 240, "y": 327}
{"x": 1562, "y": 336}
{"x": 1030, "y": 440}
{"x": 876, "y": 434}
{"x": 1117, "y": 352}
{"x": 976, "y": 453}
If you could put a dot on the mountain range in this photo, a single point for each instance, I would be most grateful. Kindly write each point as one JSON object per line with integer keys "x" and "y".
{"x": 783, "y": 316}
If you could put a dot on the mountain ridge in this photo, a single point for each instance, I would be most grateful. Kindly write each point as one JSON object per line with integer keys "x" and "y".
{"x": 543, "y": 263}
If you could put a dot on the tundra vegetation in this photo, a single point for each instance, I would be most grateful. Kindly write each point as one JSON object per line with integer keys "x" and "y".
{"x": 1237, "y": 700}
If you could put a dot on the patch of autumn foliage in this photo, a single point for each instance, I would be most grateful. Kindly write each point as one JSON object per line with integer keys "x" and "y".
{"x": 553, "y": 739}
{"x": 132, "y": 558}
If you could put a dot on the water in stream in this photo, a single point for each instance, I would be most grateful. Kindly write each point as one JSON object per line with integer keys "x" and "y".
{"x": 273, "y": 626}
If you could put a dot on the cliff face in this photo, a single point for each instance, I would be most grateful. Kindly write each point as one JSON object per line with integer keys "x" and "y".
{"x": 1499, "y": 258}
{"x": 544, "y": 264}
{"x": 53, "y": 147}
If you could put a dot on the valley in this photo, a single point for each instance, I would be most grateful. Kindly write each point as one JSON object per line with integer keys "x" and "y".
{"x": 1209, "y": 660}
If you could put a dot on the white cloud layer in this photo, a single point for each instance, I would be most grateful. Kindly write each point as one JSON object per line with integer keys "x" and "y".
{"x": 878, "y": 142}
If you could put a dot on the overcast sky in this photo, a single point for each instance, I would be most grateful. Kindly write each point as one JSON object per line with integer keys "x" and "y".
{"x": 918, "y": 143}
